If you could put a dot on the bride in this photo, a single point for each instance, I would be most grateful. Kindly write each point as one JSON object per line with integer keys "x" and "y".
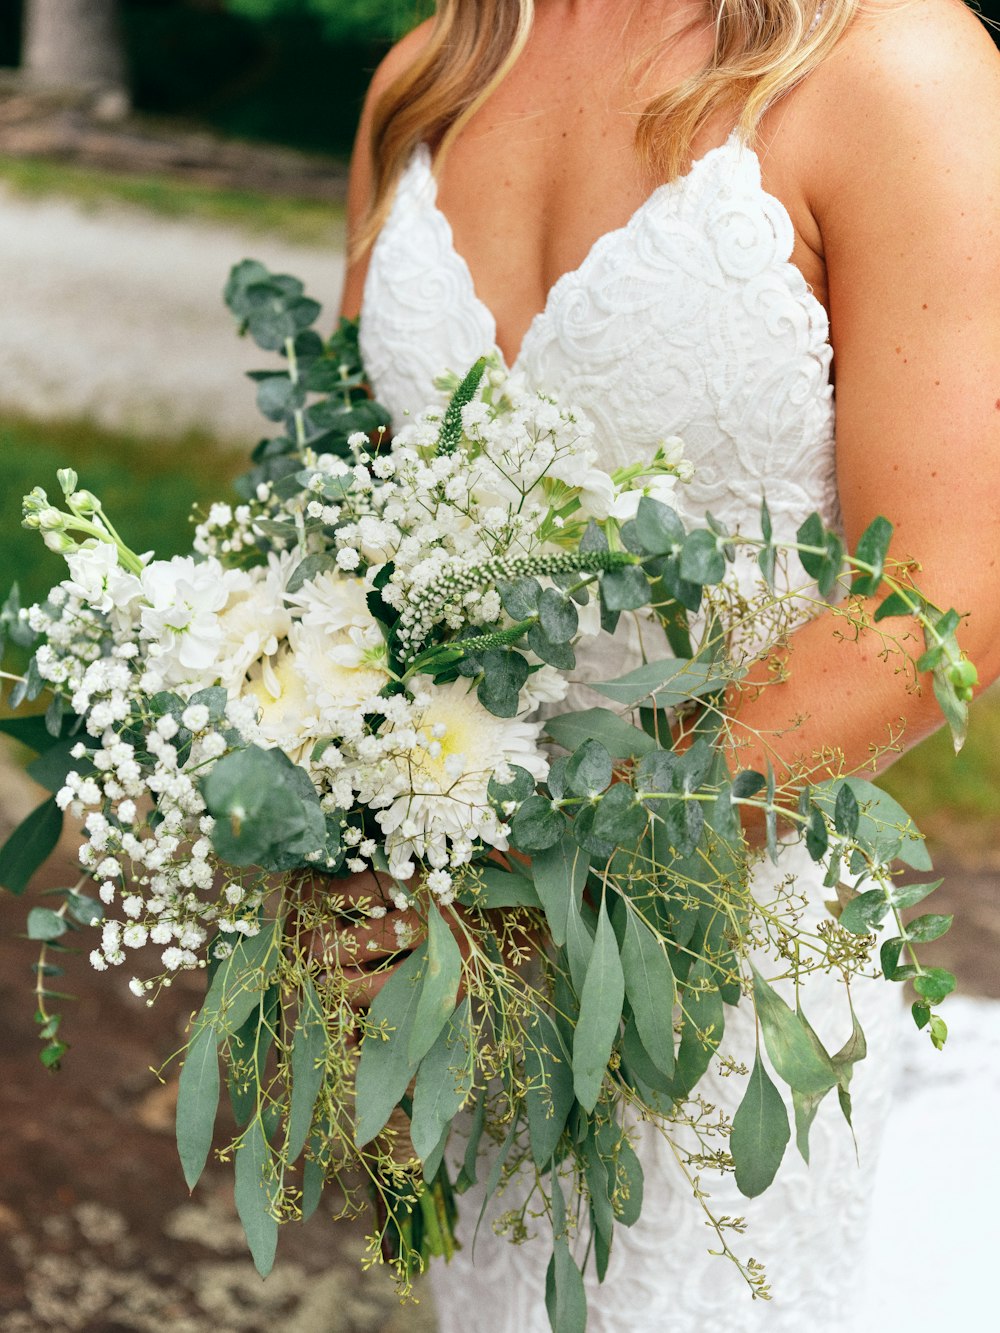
{"x": 683, "y": 216}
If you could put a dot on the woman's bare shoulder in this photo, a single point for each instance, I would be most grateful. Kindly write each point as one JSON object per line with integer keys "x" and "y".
{"x": 905, "y": 67}
{"x": 399, "y": 58}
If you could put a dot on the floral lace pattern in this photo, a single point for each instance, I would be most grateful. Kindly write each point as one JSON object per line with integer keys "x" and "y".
{"x": 690, "y": 320}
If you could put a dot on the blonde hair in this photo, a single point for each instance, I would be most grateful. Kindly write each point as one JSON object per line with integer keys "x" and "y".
{"x": 762, "y": 49}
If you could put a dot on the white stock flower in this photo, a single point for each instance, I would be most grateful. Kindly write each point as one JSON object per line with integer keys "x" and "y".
{"x": 626, "y": 504}
{"x": 99, "y": 581}
{"x": 180, "y": 619}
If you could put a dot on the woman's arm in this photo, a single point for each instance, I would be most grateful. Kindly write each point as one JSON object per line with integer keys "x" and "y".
{"x": 898, "y": 137}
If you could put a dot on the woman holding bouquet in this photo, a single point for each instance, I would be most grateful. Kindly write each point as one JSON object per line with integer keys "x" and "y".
{"x": 683, "y": 216}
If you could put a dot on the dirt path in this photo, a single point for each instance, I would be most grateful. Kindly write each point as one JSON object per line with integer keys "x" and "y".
{"x": 117, "y": 316}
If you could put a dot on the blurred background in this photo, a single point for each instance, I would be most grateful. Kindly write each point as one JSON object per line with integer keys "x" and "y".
{"x": 145, "y": 147}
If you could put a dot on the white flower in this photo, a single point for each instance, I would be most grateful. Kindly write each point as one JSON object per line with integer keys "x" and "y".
{"x": 180, "y": 618}
{"x": 99, "y": 581}
{"x": 544, "y": 686}
{"x": 626, "y": 504}
{"x": 441, "y": 782}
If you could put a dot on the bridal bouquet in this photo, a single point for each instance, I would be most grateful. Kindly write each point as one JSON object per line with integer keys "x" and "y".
{"x": 347, "y": 675}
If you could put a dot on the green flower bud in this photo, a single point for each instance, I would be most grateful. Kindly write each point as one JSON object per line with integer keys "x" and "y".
{"x": 963, "y": 675}
{"x": 67, "y": 480}
{"x": 85, "y": 502}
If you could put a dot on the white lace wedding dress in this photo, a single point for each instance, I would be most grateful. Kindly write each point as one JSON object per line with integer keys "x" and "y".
{"x": 688, "y": 321}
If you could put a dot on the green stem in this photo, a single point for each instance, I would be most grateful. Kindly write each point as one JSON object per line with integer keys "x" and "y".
{"x": 293, "y": 375}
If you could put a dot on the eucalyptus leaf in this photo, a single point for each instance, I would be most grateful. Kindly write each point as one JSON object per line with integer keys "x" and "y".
{"x": 671, "y": 680}
{"x": 385, "y": 1067}
{"x": 536, "y": 825}
{"x": 444, "y": 1082}
{"x": 702, "y": 561}
{"x": 589, "y": 769}
{"x": 44, "y": 924}
{"x": 549, "y": 1092}
{"x": 865, "y": 913}
{"x": 557, "y": 616}
{"x": 884, "y": 828}
{"x": 559, "y": 873}
{"x": 649, "y": 986}
{"x": 439, "y": 986}
{"x": 600, "y": 1014}
{"x": 625, "y": 589}
{"x": 30, "y": 845}
{"x": 308, "y": 1063}
{"x": 197, "y": 1103}
{"x": 254, "y": 1202}
{"x": 794, "y": 1051}
{"x": 760, "y": 1133}
{"x": 620, "y": 739}
{"x": 703, "y": 1028}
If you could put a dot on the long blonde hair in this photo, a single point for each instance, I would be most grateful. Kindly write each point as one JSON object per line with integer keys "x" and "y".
{"x": 762, "y": 49}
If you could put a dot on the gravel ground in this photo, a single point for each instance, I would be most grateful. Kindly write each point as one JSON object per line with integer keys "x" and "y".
{"x": 117, "y": 316}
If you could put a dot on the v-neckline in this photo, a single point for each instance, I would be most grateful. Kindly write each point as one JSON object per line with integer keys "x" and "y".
{"x": 600, "y": 243}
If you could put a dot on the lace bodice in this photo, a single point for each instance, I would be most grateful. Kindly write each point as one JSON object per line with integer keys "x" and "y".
{"x": 690, "y": 320}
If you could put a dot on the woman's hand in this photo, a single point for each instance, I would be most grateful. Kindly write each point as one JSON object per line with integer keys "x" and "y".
{"x": 364, "y": 937}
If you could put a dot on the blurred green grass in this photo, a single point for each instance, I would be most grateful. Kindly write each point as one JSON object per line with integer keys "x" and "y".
{"x": 299, "y": 221}
{"x": 146, "y": 486}
{"x": 149, "y": 487}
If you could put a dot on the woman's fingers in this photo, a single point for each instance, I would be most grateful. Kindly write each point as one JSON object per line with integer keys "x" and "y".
{"x": 365, "y": 952}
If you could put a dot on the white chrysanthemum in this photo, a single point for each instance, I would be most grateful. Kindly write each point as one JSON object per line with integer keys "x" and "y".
{"x": 340, "y": 671}
{"x": 332, "y": 601}
{"x": 544, "y": 686}
{"x": 442, "y": 780}
{"x": 286, "y": 715}
{"x": 254, "y": 620}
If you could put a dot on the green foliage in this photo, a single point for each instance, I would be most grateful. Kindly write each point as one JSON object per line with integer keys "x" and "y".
{"x": 30, "y": 846}
{"x": 343, "y": 20}
{"x": 760, "y": 1133}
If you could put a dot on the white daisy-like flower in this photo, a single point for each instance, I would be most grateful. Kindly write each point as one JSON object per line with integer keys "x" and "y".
{"x": 442, "y": 780}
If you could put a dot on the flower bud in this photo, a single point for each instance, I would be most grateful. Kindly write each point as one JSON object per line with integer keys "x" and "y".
{"x": 50, "y": 520}
{"x": 84, "y": 502}
{"x": 963, "y": 675}
{"x": 60, "y": 543}
{"x": 67, "y": 480}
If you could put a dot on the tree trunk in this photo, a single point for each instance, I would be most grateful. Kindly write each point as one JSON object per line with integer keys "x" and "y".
{"x": 73, "y": 44}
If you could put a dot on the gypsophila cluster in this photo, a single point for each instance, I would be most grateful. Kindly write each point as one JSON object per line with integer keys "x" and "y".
{"x": 294, "y": 626}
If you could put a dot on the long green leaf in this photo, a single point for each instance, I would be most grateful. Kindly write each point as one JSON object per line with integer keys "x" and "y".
{"x": 439, "y": 987}
{"x": 309, "y": 1045}
{"x": 241, "y": 979}
{"x": 760, "y": 1133}
{"x": 600, "y": 1014}
{"x": 565, "y": 1296}
{"x": 649, "y": 985}
{"x": 672, "y": 680}
{"x": 385, "y": 1067}
{"x": 444, "y": 1082}
{"x": 31, "y": 843}
{"x": 793, "y": 1048}
{"x": 619, "y": 738}
{"x": 560, "y": 872}
{"x": 197, "y": 1103}
{"x": 254, "y": 1189}
{"x": 549, "y": 1091}
{"x": 704, "y": 1025}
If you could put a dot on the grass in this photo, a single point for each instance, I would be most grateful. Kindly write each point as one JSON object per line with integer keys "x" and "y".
{"x": 955, "y": 799}
{"x": 146, "y": 486}
{"x": 299, "y": 221}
